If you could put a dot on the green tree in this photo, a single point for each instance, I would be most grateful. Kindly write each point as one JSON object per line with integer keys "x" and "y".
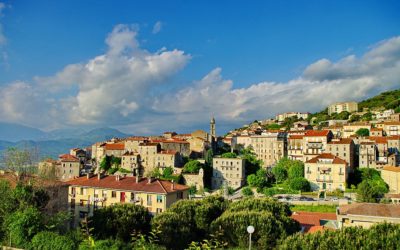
{"x": 22, "y": 225}
{"x": 120, "y": 221}
{"x": 270, "y": 218}
{"x": 229, "y": 155}
{"x": 299, "y": 183}
{"x": 192, "y": 166}
{"x": 366, "y": 192}
{"x": 296, "y": 169}
{"x": 252, "y": 164}
{"x": 168, "y": 172}
{"x": 46, "y": 240}
{"x": 362, "y": 132}
{"x": 355, "y": 118}
{"x": 280, "y": 173}
{"x": 258, "y": 180}
{"x": 246, "y": 191}
{"x": 105, "y": 163}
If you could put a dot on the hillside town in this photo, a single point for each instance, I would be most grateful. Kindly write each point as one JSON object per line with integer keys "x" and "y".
{"x": 335, "y": 169}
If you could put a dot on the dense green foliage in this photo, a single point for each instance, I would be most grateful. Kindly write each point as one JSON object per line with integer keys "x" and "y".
{"x": 258, "y": 179}
{"x": 120, "y": 221}
{"x": 387, "y": 100}
{"x": 229, "y": 155}
{"x": 110, "y": 162}
{"x": 251, "y": 162}
{"x": 299, "y": 183}
{"x": 246, "y": 191}
{"x": 380, "y": 236}
{"x": 190, "y": 219}
{"x": 192, "y": 166}
{"x": 270, "y": 218}
{"x": 46, "y": 240}
{"x": 362, "y": 132}
{"x": 372, "y": 186}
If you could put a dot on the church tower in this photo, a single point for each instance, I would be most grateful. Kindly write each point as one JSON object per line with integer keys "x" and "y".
{"x": 212, "y": 129}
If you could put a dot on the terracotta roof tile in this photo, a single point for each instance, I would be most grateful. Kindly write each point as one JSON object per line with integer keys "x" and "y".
{"x": 336, "y": 160}
{"x": 378, "y": 139}
{"x": 68, "y": 158}
{"x": 294, "y": 137}
{"x": 341, "y": 141}
{"x": 308, "y": 220}
{"x": 317, "y": 133}
{"x": 115, "y": 146}
{"x": 128, "y": 183}
{"x": 371, "y": 209}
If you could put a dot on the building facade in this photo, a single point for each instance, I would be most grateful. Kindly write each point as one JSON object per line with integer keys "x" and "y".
{"x": 326, "y": 172}
{"x": 342, "y": 106}
{"x": 89, "y": 193}
{"x": 228, "y": 170}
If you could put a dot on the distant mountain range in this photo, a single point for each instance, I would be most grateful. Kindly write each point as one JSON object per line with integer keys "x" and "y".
{"x": 53, "y": 143}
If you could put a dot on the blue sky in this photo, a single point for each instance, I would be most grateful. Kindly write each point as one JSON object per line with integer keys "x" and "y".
{"x": 237, "y": 43}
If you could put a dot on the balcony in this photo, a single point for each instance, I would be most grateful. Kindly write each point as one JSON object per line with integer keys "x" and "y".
{"x": 323, "y": 180}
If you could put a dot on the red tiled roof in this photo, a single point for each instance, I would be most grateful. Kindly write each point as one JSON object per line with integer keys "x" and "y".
{"x": 293, "y": 137}
{"x": 371, "y": 209}
{"x": 336, "y": 160}
{"x": 378, "y": 139}
{"x": 342, "y": 141}
{"x": 128, "y": 183}
{"x": 309, "y": 220}
{"x": 68, "y": 158}
{"x": 376, "y": 129}
{"x": 392, "y": 123}
{"x": 317, "y": 133}
{"x": 115, "y": 146}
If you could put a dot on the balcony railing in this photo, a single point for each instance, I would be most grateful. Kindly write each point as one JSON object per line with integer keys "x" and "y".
{"x": 322, "y": 180}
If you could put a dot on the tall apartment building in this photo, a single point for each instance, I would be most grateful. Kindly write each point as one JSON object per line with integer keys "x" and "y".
{"x": 391, "y": 176}
{"x": 269, "y": 147}
{"x": 367, "y": 154}
{"x": 326, "y": 172}
{"x": 295, "y": 147}
{"x": 283, "y": 116}
{"x": 342, "y": 106}
{"x": 343, "y": 148}
{"x": 228, "y": 170}
{"x": 351, "y": 129}
{"x": 315, "y": 142}
{"x": 88, "y": 193}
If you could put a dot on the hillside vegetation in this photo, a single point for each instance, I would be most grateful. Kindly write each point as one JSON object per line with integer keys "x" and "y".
{"x": 388, "y": 100}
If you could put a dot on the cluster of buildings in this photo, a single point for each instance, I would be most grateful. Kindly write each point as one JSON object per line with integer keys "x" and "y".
{"x": 330, "y": 153}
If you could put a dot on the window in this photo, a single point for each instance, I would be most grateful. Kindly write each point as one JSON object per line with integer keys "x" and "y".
{"x": 82, "y": 203}
{"x": 132, "y": 196}
{"x": 82, "y": 214}
{"x": 149, "y": 200}
{"x": 179, "y": 195}
{"x": 104, "y": 193}
{"x": 113, "y": 194}
{"x": 159, "y": 199}
{"x": 159, "y": 210}
{"x": 81, "y": 190}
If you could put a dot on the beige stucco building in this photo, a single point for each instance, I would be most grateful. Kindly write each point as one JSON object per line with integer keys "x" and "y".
{"x": 367, "y": 214}
{"x": 342, "y": 106}
{"x": 269, "y": 147}
{"x": 89, "y": 193}
{"x": 326, "y": 172}
{"x": 343, "y": 148}
{"x": 228, "y": 170}
{"x": 351, "y": 129}
{"x": 295, "y": 147}
{"x": 315, "y": 142}
{"x": 391, "y": 175}
{"x": 283, "y": 116}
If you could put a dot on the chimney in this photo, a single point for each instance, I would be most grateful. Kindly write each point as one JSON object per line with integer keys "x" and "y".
{"x": 98, "y": 176}
{"x": 137, "y": 178}
{"x": 149, "y": 179}
{"x": 172, "y": 185}
{"x": 88, "y": 176}
{"x": 117, "y": 177}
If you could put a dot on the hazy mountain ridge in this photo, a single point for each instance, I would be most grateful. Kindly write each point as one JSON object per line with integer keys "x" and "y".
{"x": 54, "y": 147}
